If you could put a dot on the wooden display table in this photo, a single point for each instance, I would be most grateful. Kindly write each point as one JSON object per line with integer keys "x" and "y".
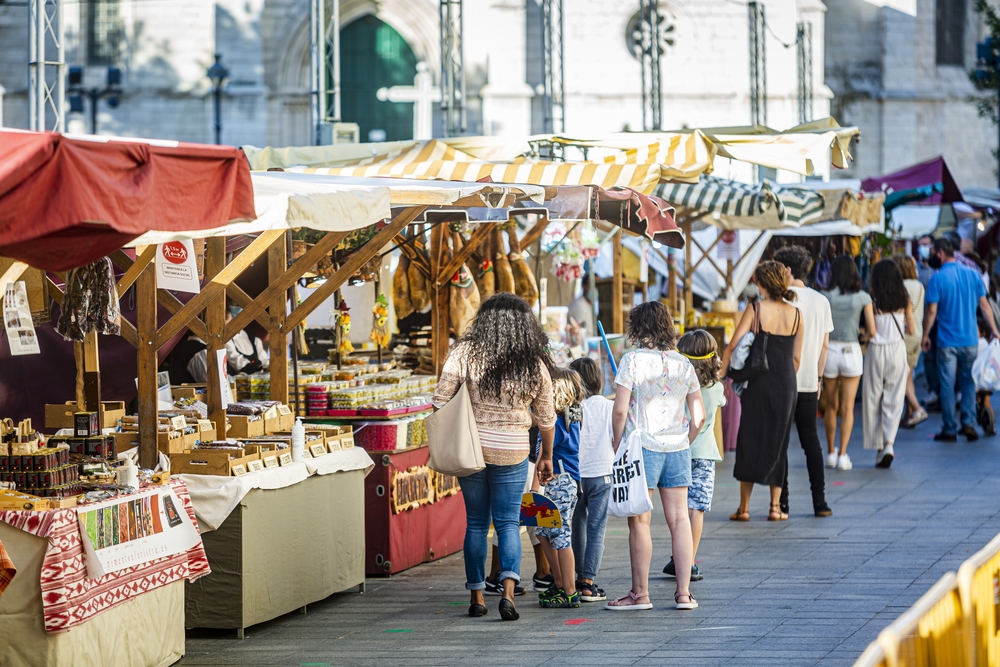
{"x": 282, "y": 549}
{"x": 396, "y": 541}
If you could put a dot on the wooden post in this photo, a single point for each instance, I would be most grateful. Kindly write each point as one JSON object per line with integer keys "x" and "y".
{"x": 617, "y": 298}
{"x": 439, "y": 298}
{"x": 215, "y": 322}
{"x": 688, "y": 275}
{"x": 92, "y": 376}
{"x": 81, "y": 395}
{"x": 277, "y": 264}
{"x": 145, "y": 306}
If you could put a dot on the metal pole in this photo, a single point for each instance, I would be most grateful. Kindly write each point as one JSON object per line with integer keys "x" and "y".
{"x": 95, "y": 96}
{"x": 218, "y": 114}
{"x": 996, "y": 73}
{"x": 334, "y": 48}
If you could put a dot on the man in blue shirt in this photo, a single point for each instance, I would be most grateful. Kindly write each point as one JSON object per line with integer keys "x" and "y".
{"x": 953, "y": 294}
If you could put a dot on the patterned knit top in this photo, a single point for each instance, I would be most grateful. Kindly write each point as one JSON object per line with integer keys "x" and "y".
{"x": 503, "y": 422}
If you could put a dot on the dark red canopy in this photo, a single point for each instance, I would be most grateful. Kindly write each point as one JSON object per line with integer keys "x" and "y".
{"x": 926, "y": 173}
{"x": 66, "y": 201}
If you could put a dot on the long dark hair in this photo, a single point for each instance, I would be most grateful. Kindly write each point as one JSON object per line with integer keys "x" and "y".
{"x": 887, "y": 289}
{"x": 844, "y": 275}
{"x": 651, "y": 326}
{"x": 504, "y": 346}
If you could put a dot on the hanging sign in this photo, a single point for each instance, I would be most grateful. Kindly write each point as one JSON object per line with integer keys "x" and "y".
{"x": 177, "y": 267}
{"x": 17, "y": 320}
{"x": 134, "y": 529}
{"x": 729, "y": 246}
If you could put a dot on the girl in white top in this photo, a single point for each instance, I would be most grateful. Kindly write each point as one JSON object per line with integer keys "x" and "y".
{"x": 884, "y": 386}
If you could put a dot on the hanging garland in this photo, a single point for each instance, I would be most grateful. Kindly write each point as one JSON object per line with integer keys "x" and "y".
{"x": 380, "y": 322}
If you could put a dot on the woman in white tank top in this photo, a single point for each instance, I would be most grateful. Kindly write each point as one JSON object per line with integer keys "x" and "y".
{"x": 884, "y": 384}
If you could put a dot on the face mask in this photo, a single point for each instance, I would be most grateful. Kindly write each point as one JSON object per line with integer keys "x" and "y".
{"x": 235, "y": 310}
{"x": 934, "y": 262}
{"x": 924, "y": 251}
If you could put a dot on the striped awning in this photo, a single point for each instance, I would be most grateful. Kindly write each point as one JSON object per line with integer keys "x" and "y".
{"x": 735, "y": 205}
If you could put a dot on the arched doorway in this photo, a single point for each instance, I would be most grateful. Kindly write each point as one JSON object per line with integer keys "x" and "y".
{"x": 372, "y": 56}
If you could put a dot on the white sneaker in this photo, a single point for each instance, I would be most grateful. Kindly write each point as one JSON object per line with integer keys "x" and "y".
{"x": 844, "y": 462}
{"x": 885, "y": 457}
{"x": 831, "y": 460}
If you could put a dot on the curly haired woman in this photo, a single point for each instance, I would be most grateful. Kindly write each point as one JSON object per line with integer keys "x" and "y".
{"x": 769, "y": 398}
{"x": 504, "y": 358}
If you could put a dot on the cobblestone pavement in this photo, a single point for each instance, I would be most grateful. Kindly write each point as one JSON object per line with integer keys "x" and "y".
{"x": 801, "y": 592}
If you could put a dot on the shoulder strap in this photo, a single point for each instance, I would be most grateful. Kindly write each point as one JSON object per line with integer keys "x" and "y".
{"x": 795, "y": 327}
{"x": 892, "y": 316}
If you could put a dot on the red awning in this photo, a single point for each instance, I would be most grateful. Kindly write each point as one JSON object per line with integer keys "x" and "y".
{"x": 66, "y": 201}
{"x": 640, "y": 214}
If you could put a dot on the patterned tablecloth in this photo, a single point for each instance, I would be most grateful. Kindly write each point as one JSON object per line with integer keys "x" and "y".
{"x": 68, "y": 597}
{"x": 7, "y": 569}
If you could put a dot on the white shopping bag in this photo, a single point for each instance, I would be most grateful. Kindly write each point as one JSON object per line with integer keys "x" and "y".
{"x": 629, "y": 493}
{"x": 986, "y": 369}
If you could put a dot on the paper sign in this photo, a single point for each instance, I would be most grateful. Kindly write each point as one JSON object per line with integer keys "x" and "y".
{"x": 729, "y": 246}
{"x": 17, "y": 320}
{"x": 285, "y": 459}
{"x": 134, "y": 529}
{"x": 317, "y": 450}
{"x": 176, "y": 267}
{"x": 256, "y": 466}
{"x": 227, "y": 391}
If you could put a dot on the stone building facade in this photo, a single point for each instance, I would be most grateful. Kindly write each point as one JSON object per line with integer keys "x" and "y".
{"x": 899, "y": 71}
{"x": 165, "y": 48}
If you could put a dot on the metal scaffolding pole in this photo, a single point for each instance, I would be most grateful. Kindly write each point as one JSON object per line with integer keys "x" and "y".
{"x": 45, "y": 31}
{"x": 803, "y": 49}
{"x": 333, "y": 62}
{"x": 650, "y": 46}
{"x": 317, "y": 68}
{"x": 452, "y": 69}
{"x": 552, "y": 51}
{"x": 758, "y": 65}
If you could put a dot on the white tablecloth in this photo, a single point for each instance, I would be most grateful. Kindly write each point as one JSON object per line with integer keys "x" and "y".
{"x": 214, "y": 497}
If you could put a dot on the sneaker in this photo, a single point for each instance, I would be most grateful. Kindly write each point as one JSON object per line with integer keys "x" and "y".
{"x": 831, "y": 460}
{"x": 885, "y": 457}
{"x": 930, "y": 399}
{"x": 696, "y": 574}
{"x": 494, "y": 587}
{"x": 945, "y": 437}
{"x": 542, "y": 583}
{"x": 822, "y": 510}
{"x": 844, "y": 462}
{"x": 970, "y": 433}
{"x": 560, "y": 600}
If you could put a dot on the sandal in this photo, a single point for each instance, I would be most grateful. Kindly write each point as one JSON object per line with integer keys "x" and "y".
{"x": 740, "y": 516}
{"x": 630, "y": 602}
{"x": 685, "y": 606}
{"x": 781, "y": 516}
{"x": 590, "y": 592}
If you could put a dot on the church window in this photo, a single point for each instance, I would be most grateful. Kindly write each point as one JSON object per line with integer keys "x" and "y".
{"x": 949, "y": 22}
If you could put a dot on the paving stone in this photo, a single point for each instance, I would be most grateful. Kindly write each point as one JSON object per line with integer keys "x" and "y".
{"x": 803, "y": 592}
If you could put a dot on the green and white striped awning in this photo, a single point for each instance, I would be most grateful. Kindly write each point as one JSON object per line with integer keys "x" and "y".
{"x": 734, "y": 205}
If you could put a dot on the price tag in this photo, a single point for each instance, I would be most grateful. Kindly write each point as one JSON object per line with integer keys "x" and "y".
{"x": 271, "y": 461}
{"x": 285, "y": 459}
{"x": 256, "y": 466}
{"x": 239, "y": 470}
{"x": 317, "y": 450}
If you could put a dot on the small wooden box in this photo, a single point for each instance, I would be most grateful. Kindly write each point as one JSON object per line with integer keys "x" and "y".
{"x": 60, "y": 415}
{"x": 209, "y": 461}
{"x": 169, "y": 445}
{"x": 241, "y": 426}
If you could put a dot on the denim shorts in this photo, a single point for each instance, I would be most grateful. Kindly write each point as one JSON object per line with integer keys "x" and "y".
{"x": 667, "y": 470}
{"x": 563, "y": 490}
{"x": 702, "y": 485}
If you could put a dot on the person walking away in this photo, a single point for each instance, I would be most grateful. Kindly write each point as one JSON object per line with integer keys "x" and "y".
{"x": 884, "y": 392}
{"x": 915, "y": 290}
{"x": 769, "y": 398}
{"x": 563, "y": 490}
{"x": 504, "y": 359}
{"x": 590, "y": 519}
{"x": 653, "y": 386}
{"x": 702, "y": 350}
{"x": 844, "y": 363}
{"x": 953, "y": 295}
{"x": 817, "y": 321}
{"x": 925, "y": 272}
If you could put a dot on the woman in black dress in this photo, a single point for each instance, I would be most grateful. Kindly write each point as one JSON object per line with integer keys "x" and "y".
{"x": 769, "y": 399}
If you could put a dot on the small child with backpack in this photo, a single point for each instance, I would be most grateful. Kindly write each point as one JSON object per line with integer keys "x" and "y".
{"x": 563, "y": 489}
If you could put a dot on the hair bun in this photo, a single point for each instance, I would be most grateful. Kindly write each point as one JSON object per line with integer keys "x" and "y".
{"x": 789, "y": 295}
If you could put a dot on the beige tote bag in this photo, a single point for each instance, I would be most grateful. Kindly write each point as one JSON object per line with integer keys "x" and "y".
{"x": 453, "y": 437}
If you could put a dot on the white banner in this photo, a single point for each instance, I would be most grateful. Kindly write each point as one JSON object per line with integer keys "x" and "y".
{"x": 135, "y": 529}
{"x": 17, "y": 320}
{"x": 729, "y": 246}
{"x": 176, "y": 266}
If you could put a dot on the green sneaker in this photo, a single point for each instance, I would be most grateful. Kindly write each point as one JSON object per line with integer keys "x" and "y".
{"x": 571, "y": 601}
{"x": 548, "y": 595}
{"x": 561, "y": 600}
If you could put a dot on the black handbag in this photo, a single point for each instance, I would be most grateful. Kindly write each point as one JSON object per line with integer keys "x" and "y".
{"x": 756, "y": 362}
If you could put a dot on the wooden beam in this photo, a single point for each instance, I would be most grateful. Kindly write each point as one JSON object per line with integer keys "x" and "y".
{"x": 215, "y": 321}
{"x": 277, "y": 264}
{"x": 475, "y": 241}
{"x": 145, "y": 303}
{"x": 242, "y": 299}
{"x": 92, "y": 376}
{"x": 535, "y": 232}
{"x": 688, "y": 272}
{"x": 81, "y": 396}
{"x": 278, "y": 288}
{"x": 359, "y": 258}
{"x": 617, "y": 319}
{"x": 439, "y": 300}
{"x": 132, "y": 269}
{"x": 130, "y": 333}
{"x": 174, "y": 305}
{"x": 13, "y": 272}
{"x": 54, "y": 291}
{"x": 215, "y": 287}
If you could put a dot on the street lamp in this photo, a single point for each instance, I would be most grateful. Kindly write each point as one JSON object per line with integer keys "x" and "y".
{"x": 112, "y": 90}
{"x": 218, "y": 73}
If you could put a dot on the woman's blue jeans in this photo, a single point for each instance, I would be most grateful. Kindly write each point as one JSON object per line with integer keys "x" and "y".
{"x": 493, "y": 495}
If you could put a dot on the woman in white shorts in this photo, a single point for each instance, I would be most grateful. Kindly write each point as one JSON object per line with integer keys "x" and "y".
{"x": 844, "y": 362}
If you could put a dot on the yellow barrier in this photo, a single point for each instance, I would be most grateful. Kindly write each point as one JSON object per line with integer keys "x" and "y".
{"x": 979, "y": 588}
